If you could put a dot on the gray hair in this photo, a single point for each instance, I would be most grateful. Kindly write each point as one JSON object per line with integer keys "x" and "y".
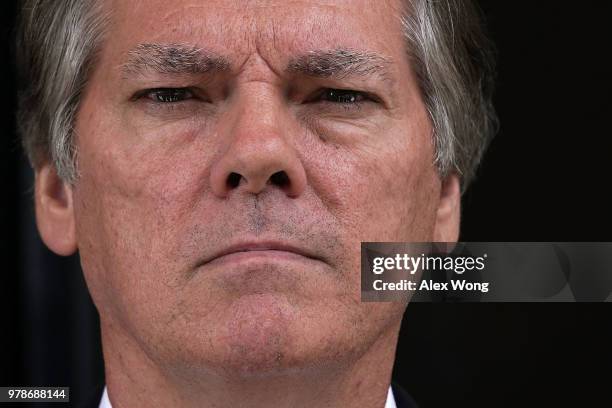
{"x": 58, "y": 43}
{"x": 455, "y": 66}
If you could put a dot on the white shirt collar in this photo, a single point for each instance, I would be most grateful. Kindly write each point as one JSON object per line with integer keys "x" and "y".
{"x": 105, "y": 402}
{"x": 390, "y": 400}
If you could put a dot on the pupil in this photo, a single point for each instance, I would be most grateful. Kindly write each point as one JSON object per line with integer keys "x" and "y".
{"x": 170, "y": 96}
{"x": 342, "y": 96}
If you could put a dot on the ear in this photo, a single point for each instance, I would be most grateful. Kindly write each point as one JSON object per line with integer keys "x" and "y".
{"x": 448, "y": 214}
{"x": 54, "y": 211}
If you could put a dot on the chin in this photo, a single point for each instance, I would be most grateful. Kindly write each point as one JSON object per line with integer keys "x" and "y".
{"x": 261, "y": 335}
{"x": 267, "y": 335}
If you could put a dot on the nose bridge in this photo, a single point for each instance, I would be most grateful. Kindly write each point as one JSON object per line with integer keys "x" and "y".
{"x": 260, "y": 130}
{"x": 260, "y": 149}
{"x": 259, "y": 111}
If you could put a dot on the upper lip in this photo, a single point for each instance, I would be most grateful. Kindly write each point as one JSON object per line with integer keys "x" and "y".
{"x": 263, "y": 246}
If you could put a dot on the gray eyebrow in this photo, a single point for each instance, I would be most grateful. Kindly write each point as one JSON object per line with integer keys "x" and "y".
{"x": 341, "y": 63}
{"x": 173, "y": 59}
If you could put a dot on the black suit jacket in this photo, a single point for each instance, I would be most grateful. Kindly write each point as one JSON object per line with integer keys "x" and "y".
{"x": 402, "y": 398}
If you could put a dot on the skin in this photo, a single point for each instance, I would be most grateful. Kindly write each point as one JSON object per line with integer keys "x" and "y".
{"x": 152, "y": 204}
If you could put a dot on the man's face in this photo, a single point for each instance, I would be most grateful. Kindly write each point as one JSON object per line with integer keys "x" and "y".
{"x": 232, "y": 157}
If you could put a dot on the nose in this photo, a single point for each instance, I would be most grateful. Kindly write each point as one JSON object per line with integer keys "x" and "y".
{"x": 260, "y": 154}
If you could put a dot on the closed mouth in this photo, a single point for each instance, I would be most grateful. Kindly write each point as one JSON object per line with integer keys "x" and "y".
{"x": 264, "y": 249}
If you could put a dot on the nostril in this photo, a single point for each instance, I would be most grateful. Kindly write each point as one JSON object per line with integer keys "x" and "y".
{"x": 233, "y": 180}
{"x": 280, "y": 178}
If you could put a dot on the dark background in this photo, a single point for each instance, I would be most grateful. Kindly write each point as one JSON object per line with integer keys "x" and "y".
{"x": 546, "y": 177}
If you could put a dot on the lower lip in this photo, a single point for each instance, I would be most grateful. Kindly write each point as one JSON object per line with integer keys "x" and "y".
{"x": 268, "y": 255}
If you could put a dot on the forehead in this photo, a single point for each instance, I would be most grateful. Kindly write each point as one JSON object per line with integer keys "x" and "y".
{"x": 275, "y": 27}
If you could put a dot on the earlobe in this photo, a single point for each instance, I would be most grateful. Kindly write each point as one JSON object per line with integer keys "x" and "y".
{"x": 449, "y": 210}
{"x": 54, "y": 211}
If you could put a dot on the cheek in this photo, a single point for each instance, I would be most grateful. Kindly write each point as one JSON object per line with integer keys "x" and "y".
{"x": 130, "y": 203}
{"x": 384, "y": 191}
{"x": 151, "y": 172}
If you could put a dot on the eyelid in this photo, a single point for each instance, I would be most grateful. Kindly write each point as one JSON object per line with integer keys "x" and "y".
{"x": 144, "y": 93}
{"x": 319, "y": 94}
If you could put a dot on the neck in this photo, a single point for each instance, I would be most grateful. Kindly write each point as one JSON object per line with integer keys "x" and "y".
{"x": 134, "y": 379}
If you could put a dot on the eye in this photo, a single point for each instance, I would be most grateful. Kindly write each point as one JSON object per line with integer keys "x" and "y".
{"x": 343, "y": 96}
{"x": 168, "y": 95}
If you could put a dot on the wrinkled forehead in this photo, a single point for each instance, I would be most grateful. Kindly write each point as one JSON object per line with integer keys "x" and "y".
{"x": 276, "y": 29}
